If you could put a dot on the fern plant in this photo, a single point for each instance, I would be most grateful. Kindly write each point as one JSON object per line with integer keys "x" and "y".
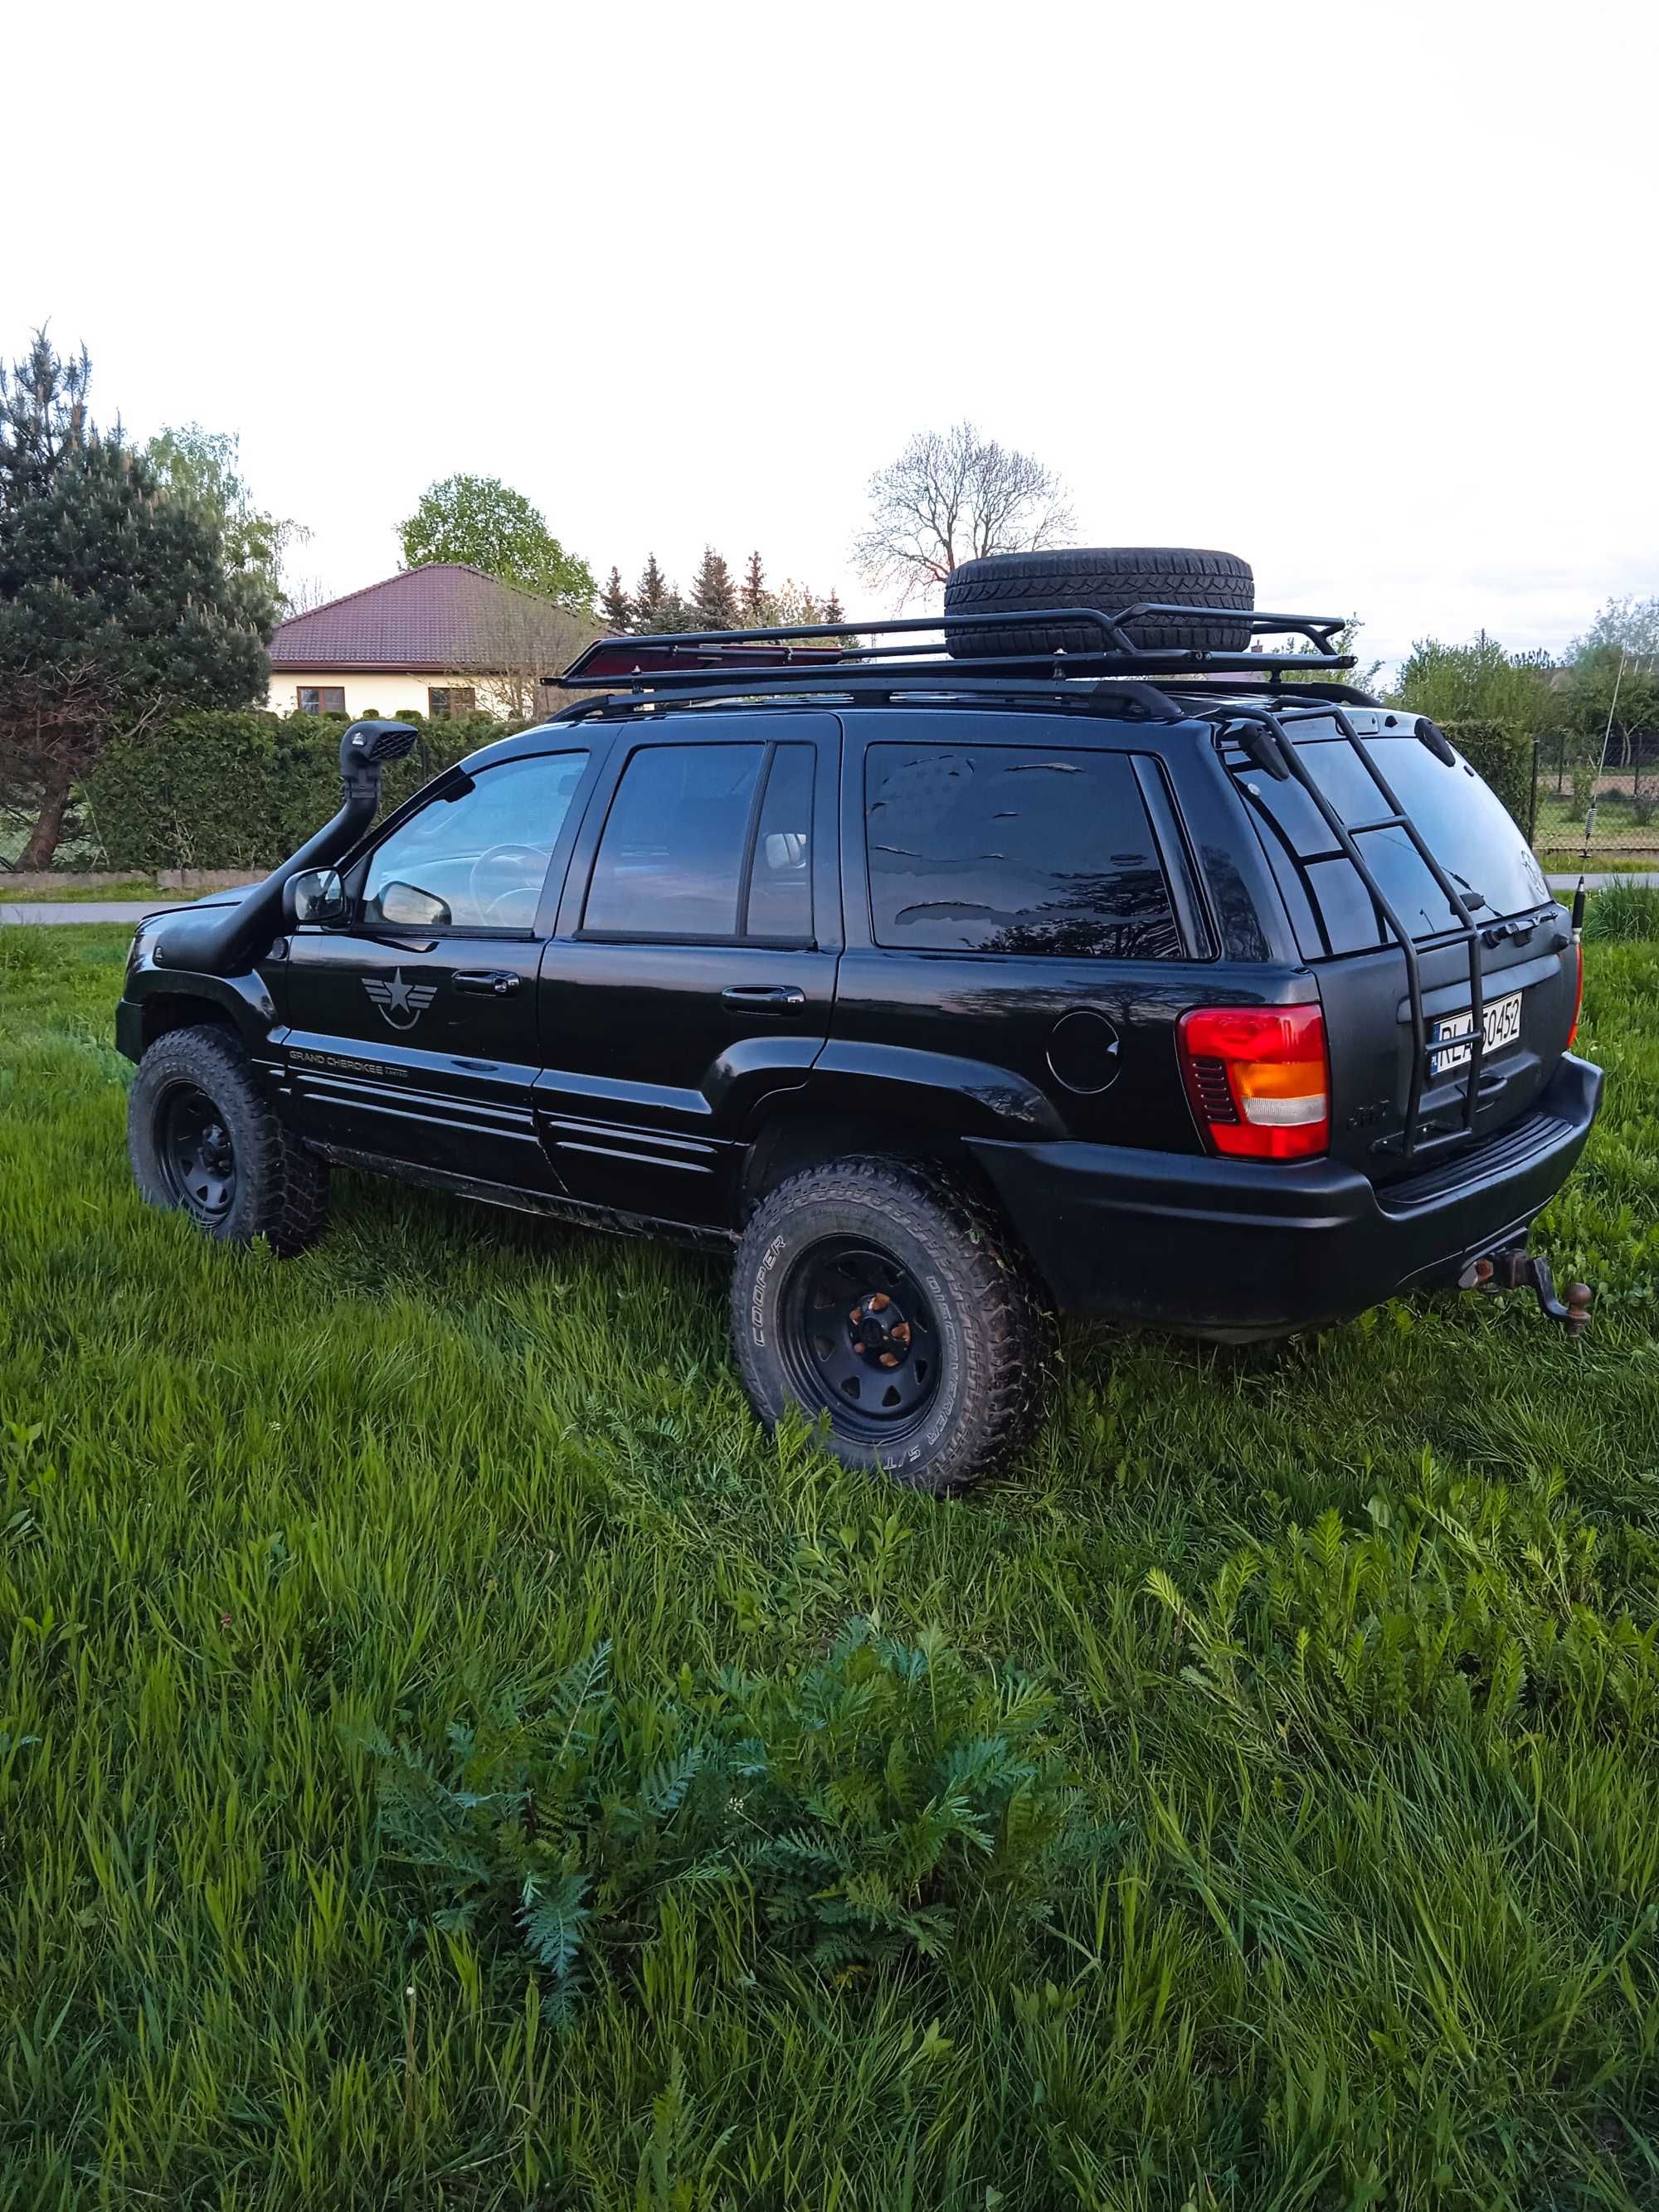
{"x": 863, "y": 1809}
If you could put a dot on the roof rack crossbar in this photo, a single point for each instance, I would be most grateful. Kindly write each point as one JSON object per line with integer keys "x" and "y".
{"x": 686, "y": 660}
{"x": 935, "y": 678}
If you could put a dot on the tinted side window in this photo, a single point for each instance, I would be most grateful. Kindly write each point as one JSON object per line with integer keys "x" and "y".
{"x": 474, "y": 858}
{"x": 995, "y": 848}
{"x": 670, "y": 860}
{"x": 781, "y": 879}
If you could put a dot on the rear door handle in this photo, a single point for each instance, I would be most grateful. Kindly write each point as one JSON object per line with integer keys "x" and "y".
{"x": 488, "y": 982}
{"x": 764, "y": 998}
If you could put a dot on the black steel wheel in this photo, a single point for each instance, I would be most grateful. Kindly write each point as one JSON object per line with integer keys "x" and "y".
{"x": 860, "y": 1339}
{"x": 197, "y": 1158}
{"x": 205, "y": 1141}
{"x": 887, "y": 1298}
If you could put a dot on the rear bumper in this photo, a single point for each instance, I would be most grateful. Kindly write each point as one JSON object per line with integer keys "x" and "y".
{"x": 1233, "y": 1247}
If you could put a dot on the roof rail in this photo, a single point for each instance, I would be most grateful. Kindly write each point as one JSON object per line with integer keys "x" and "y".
{"x": 842, "y": 657}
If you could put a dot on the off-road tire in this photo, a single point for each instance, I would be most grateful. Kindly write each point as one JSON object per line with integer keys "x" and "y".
{"x": 996, "y": 1340}
{"x": 282, "y": 1188}
{"x": 1108, "y": 578}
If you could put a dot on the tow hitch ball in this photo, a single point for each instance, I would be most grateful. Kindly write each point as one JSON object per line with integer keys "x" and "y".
{"x": 1517, "y": 1269}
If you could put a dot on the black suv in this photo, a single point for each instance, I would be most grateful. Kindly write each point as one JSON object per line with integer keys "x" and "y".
{"x": 1098, "y": 960}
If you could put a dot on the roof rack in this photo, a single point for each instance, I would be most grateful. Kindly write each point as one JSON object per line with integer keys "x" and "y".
{"x": 842, "y": 657}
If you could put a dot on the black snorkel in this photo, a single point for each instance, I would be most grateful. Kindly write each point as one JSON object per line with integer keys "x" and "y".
{"x": 227, "y": 942}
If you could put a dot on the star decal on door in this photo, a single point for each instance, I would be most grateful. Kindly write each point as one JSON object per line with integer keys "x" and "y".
{"x": 402, "y": 1004}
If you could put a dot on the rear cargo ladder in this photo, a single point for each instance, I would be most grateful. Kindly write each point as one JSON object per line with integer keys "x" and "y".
{"x": 1410, "y": 1141}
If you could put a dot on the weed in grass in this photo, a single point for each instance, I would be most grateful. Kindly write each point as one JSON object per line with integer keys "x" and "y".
{"x": 1370, "y": 1919}
{"x": 883, "y": 1804}
{"x": 1622, "y": 913}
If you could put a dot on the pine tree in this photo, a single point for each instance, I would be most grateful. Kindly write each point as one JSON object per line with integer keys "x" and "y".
{"x": 832, "y": 608}
{"x": 615, "y": 605}
{"x": 650, "y": 596}
{"x": 753, "y": 597}
{"x": 714, "y": 596}
{"x": 116, "y": 609}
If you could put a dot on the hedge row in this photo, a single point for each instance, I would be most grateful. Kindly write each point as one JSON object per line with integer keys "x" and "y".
{"x": 1501, "y": 758}
{"x": 242, "y": 790}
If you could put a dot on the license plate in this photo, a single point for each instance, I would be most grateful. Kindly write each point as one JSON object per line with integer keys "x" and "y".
{"x": 1500, "y": 1025}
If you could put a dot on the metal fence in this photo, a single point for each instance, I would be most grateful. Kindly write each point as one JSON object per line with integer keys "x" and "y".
{"x": 1567, "y": 777}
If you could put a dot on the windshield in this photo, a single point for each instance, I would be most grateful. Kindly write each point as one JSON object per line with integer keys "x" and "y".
{"x": 1464, "y": 824}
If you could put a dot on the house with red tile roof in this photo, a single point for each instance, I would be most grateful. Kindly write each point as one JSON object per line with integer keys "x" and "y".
{"x": 442, "y": 640}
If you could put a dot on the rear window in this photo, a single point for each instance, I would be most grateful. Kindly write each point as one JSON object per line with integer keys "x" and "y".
{"x": 1007, "y": 848}
{"x": 1464, "y": 824}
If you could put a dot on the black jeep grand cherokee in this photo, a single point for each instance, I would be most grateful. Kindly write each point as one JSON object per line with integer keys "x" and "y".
{"x": 1094, "y": 960}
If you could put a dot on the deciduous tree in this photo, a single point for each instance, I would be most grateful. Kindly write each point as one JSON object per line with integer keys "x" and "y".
{"x": 1477, "y": 682}
{"x": 203, "y": 469}
{"x": 485, "y": 523}
{"x": 951, "y": 496}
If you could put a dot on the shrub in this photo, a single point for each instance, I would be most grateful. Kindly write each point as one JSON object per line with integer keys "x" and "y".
{"x": 1501, "y": 758}
{"x": 859, "y": 1811}
{"x": 242, "y": 790}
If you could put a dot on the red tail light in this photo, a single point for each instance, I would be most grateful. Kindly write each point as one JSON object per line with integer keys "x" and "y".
{"x": 1578, "y": 996}
{"x": 1259, "y": 1079}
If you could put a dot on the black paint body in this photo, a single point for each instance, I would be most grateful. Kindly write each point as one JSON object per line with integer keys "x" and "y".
{"x": 664, "y": 1086}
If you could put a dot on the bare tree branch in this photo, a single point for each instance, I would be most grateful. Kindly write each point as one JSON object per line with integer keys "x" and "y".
{"x": 951, "y": 496}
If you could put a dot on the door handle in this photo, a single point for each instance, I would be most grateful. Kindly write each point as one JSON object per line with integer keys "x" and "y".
{"x": 764, "y": 998}
{"x": 488, "y": 982}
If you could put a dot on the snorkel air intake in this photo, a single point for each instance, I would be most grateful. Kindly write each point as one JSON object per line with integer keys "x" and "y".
{"x": 227, "y": 942}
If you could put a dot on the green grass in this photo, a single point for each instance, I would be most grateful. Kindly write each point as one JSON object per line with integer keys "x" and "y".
{"x": 1352, "y": 1684}
{"x": 137, "y": 887}
{"x": 1565, "y": 863}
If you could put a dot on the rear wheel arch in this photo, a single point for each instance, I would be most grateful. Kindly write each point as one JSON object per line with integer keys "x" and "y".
{"x": 792, "y": 1139}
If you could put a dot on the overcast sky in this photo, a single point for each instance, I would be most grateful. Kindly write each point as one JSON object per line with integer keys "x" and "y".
{"x": 1365, "y": 293}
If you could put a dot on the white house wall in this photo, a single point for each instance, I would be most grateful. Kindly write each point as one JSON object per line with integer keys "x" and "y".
{"x": 387, "y": 694}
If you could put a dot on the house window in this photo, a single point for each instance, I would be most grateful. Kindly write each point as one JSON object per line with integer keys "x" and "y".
{"x": 322, "y": 699}
{"x": 457, "y": 699}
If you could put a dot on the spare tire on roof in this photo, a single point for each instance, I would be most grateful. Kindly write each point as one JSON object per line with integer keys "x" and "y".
{"x": 1108, "y": 578}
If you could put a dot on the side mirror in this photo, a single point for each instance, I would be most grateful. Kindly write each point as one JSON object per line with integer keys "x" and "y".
{"x": 314, "y": 895}
{"x": 406, "y": 906}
